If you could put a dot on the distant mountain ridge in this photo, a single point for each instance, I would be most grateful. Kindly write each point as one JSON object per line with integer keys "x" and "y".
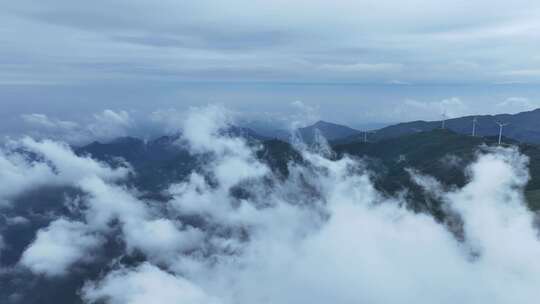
{"x": 523, "y": 127}
{"x": 165, "y": 159}
{"x": 330, "y": 131}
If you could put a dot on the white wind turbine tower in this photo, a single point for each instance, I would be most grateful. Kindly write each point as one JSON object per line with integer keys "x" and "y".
{"x": 501, "y": 126}
{"x": 474, "y": 122}
{"x": 366, "y": 135}
{"x": 443, "y": 122}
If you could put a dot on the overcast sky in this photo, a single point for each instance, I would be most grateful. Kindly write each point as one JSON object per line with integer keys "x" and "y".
{"x": 348, "y": 61}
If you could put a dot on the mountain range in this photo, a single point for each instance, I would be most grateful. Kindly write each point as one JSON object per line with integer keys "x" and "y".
{"x": 441, "y": 153}
{"x": 523, "y": 127}
{"x": 158, "y": 163}
{"x": 419, "y": 144}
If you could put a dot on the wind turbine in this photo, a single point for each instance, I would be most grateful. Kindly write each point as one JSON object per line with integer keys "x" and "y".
{"x": 501, "y": 126}
{"x": 444, "y": 117}
{"x": 366, "y": 134}
{"x": 474, "y": 122}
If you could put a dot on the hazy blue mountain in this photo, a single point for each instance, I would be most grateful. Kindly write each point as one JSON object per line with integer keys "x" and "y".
{"x": 270, "y": 130}
{"x": 246, "y": 133}
{"x": 371, "y": 126}
{"x": 330, "y": 131}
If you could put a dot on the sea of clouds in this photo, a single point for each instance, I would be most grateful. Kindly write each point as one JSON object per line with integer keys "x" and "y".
{"x": 323, "y": 234}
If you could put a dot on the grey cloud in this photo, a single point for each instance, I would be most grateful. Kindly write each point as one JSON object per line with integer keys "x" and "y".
{"x": 134, "y": 53}
{"x": 210, "y": 38}
{"x": 277, "y": 34}
{"x": 517, "y": 104}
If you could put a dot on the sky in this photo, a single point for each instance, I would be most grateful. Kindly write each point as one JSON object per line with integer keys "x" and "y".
{"x": 351, "y": 62}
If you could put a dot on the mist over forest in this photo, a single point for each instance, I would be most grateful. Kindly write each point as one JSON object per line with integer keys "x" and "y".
{"x": 260, "y": 221}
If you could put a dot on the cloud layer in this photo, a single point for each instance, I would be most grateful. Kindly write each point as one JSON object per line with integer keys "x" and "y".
{"x": 322, "y": 234}
{"x": 369, "y": 42}
{"x": 359, "y": 61}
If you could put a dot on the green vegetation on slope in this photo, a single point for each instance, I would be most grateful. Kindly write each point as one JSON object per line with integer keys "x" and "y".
{"x": 442, "y": 154}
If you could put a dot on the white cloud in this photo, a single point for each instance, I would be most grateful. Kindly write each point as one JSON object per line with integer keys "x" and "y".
{"x": 160, "y": 239}
{"x": 516, "y": 105}
{"x": 363, "y": 67}
{"x": 232, "y": 162}
{"x": 525, "y": 73}
{"x": 70, "y": 166}
{"x": 58, "y": 246}
{"x": 398, "y": 82}
{"x": 324, "y": 234}
{"x": 42, "y": 120}
{"x": 109, "y": 202}
{"x": 58, "y": 166}
{"x": 306, "y": 114}
{"x": 17, "y": 220}
{"x": 105, "y": 125}
{"x": 18, "y": 175}
{"x": 65, "y": 242}
{"x": 414, "y": 109}
{"x": 202, "y": 127}
{"x": 372, "y": 250}
{"x": 377, "y": 252}
{"x": 110, "y": 124}
{"x": 145, "y": 284}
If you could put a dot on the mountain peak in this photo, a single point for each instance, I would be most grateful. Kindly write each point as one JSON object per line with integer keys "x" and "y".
{"x": 322, "y": 123}
{"x": 329, "y": 130}
{"x": 326, "y": 124}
